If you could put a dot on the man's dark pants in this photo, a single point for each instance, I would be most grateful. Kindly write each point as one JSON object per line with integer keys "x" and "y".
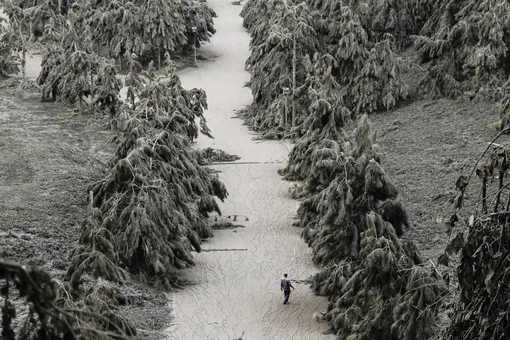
{"x": 286, "y": 294}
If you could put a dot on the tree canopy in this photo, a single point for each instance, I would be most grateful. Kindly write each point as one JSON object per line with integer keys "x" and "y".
{"x": 284, "y": 34}
{"x": 149, "y": 213}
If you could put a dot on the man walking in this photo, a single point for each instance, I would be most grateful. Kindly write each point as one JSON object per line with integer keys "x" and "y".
{"x": 285, "y": 285}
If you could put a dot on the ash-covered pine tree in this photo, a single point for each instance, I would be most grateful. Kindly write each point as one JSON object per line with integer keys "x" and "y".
{"x": 106, "y": 22}
{"x": 163, "y": 26}
{"x": 134, "y": 82}
{"x": 19, "y": 26}
{"x": 72, "y": 78}
{"x": 464, "y": 47}
{"x": 314, "y": 157}
{"x": 71, "y": 70}
{"x": 9, "y": 59}
{"x": 278, "y": 64}
{"x": 198, "y": 14}
{"x": 368, "y": 72}
{"x": 37, "y": 306}
{"x": 149, "y": 212}
{"x": 106, "y": 90}
{"x": 128, "y": 35}
{"x": 402, "y": 19}
{"x": 375, "y": 282}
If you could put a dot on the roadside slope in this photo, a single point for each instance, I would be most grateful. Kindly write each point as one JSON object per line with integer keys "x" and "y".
{"x": 427, "y": 146}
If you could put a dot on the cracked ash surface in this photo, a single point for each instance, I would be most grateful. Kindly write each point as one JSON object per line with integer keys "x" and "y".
{"x": 236, "y": 288}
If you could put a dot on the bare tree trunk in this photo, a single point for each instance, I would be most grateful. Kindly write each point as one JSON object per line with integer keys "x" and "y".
{"x": 286, "y": 110}
{"x": 81, "y": 104}
{"x": 159, "y": 58}
{"x": 484, "y": 195}
{"x": 23, "y": 49}
{"x": 500, "y": 188}
{"x": 24, "y": 63}
{"x": 294, "y": 62}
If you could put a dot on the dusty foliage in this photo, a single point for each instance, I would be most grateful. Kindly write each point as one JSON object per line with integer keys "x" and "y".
{"x": 462, "y": 44}
{"x": 402, "y": 19}
{"x": 376, "y": 283}
{"x": 281, "y": 44}
{"x": 484, "y": 244}
{"x": 9, "y": 63}
{"x": 42, "y": 308}
{"x": 120, "y": 27}
{"x": 149, "y": 213}
{"x": 285, "y": 34}
{"x": 86, "y": 42}
{"x": 210, "y": 155}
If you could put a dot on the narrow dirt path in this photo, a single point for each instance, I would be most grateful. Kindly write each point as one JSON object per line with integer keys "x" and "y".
{"x": 236, "y": 279}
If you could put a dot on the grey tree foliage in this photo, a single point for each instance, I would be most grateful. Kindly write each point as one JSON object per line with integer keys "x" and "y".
{"x": 376, "y": 284}
{"x": 149, "y": 212}
{"x": 319, "y": 131}
{"x": 106, "y": 89}
{"x": 117, "y": 28}
{"x": 280, "y": 50}
{"x": 18, "y": 27}
{"x": 482, "y": 243}
{"x": 366, "y": 70}
{"x": 71, "y": 76}
{"x": 463, "y": 46}
{"x": 9, "y": 60}
{"x": 134, "y": 82}
{"x": 210, "y": 155}
{"x": 48, "y": 311}
{"x": 162, "y": 26}
{"x": 128, "y": 34}
{"x": 73, "y": 72}
{"x": 402, "y": 19}
{"x": 199, "y": 15}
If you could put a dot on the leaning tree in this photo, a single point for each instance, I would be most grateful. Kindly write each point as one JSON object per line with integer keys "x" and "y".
{"x": 149, "y": 213}
{"x": 280, "y": 48}
{"x": 9, "y": 60}
{"x": 463, "y": 46}
{"x": 37, "y": 306}
{"x": 325, "y": 121}
{"x": 376, "y": 283}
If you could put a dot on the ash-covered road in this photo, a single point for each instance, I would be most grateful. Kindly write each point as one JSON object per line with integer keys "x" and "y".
{"x": 237, "y": 283}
